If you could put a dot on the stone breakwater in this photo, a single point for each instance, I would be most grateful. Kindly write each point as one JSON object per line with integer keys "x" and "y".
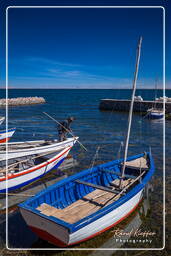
{"x": 22, "y": 101}
{"x": 124, "y": 105}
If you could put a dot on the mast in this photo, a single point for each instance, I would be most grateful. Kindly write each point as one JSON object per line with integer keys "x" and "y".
{"x": 131, "y": 109}
{"x": 155, "y": 93}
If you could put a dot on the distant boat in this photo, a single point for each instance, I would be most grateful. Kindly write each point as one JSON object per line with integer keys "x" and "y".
{"x": 5, "y": 136}
{"x": 1, "y": 119}
{"x": 26, "y": 148}
{"x": 23, "y": 172}
{"x": 86, "y": 204}
{"x": 154, "y": 112}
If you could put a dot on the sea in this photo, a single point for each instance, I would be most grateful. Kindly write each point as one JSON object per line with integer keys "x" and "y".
{"x": 103, "y": 134}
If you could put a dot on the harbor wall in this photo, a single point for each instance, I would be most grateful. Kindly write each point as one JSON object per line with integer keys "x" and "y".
{"x": 124, "y": 105}
{"x": 22, "y": 101}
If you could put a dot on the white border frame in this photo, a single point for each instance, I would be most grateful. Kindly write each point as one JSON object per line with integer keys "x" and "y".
{"x": 85, "y": 249}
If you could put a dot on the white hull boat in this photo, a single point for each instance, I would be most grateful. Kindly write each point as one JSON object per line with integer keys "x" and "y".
{"x": 21, "y": 149}
{"x": 26, "y": 171}
{"x": 155, "y": 113}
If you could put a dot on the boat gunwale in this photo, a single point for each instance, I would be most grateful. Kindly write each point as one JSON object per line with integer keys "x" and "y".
{"x": 9, "y": 130}
{"x": 99, "y": 213}
{"x": 38, "y": 147}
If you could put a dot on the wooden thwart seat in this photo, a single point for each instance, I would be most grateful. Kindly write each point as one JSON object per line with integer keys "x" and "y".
{"x": 96, "y": 186}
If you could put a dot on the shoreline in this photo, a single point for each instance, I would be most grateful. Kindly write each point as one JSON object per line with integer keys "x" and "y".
{"x": 21, "y": 101}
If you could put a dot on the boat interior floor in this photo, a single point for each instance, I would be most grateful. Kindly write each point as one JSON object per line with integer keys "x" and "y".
{"x": 83, "y": 207}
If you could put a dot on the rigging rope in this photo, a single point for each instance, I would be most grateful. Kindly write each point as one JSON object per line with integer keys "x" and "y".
{"x": 94, "y": 158}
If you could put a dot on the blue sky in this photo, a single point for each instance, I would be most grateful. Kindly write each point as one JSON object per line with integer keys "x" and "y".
{"x": 84, "y": 48}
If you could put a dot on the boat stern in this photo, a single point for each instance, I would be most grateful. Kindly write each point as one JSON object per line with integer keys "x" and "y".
{"x": 45, "y": 228}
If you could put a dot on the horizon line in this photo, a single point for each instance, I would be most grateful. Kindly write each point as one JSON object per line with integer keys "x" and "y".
{"x": 68, "y": 88}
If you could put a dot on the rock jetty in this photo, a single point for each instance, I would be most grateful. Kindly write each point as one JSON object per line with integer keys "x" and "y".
{"x": 22, "y": 101}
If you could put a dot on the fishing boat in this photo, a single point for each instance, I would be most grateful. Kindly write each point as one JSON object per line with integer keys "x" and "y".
{"x": 2, "y": 118}
{"x": 21, "y": 149}
{"x": 23, "y": 172}
{"x": 87, "y": 203}
{"x": 5, "y": 136}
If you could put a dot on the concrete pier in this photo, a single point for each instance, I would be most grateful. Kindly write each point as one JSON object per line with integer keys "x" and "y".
{"x": 22, "y": 101}
{"x": 124, "y": 105}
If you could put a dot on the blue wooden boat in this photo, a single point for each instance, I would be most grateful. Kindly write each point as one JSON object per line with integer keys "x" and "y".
{"x": 84, "y": 205}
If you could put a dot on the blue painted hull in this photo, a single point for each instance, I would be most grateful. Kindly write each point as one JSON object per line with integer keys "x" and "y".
{"x": 153, "y": 116}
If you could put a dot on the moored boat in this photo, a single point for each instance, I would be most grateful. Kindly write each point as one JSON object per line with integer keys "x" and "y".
{"x": 88, "y": 203}
{"x": 23, "y": 172}
{"x": 155, "y": 113}
{"x": 5, "y": 136}
{"x": 26, "y": 148}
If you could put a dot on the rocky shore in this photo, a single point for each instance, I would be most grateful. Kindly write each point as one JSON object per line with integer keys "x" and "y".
{"x": 22, "y": 101}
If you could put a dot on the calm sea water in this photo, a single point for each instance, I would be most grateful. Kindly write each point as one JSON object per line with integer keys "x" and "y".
{"x": 95, "y": 128}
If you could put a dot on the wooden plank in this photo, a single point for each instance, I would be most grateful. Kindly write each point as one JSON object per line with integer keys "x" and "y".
{"x": 96, "y": 186}
{"x": 140, "y": 163}
{"x": 83, "y": 207}
{"x": 126, "y": 187}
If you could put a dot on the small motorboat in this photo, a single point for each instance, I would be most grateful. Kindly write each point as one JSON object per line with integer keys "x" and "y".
{"x": 24, "y": 171}
{"x": 155, "y": 113}
{"x": 6, "y": 136}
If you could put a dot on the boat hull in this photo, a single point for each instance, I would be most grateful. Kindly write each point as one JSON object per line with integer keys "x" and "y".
{"x": 59, "y": 205}
{"x": 35, "y": 150}
{"x": 32, "y": 174}
{"x": 156, "y": 116}
{"x": 53, "y": 233}
{"x": 5, "y": 136}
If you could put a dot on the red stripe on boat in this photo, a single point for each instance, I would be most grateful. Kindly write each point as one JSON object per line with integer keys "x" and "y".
{"x": 5, "y": 140}
{"x": 48, "y": 237}
{"x": 12, "y": 176}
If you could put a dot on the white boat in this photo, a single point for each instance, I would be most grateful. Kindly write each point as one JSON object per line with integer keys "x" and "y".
{"x": 21, "y": 149}
{"x": 2, "y": 118}
{"x": 154, "y": 112}
{"x": 138, "y": 98}
{"x": 5, "y": 136}
{"x": 26, "y": 171}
